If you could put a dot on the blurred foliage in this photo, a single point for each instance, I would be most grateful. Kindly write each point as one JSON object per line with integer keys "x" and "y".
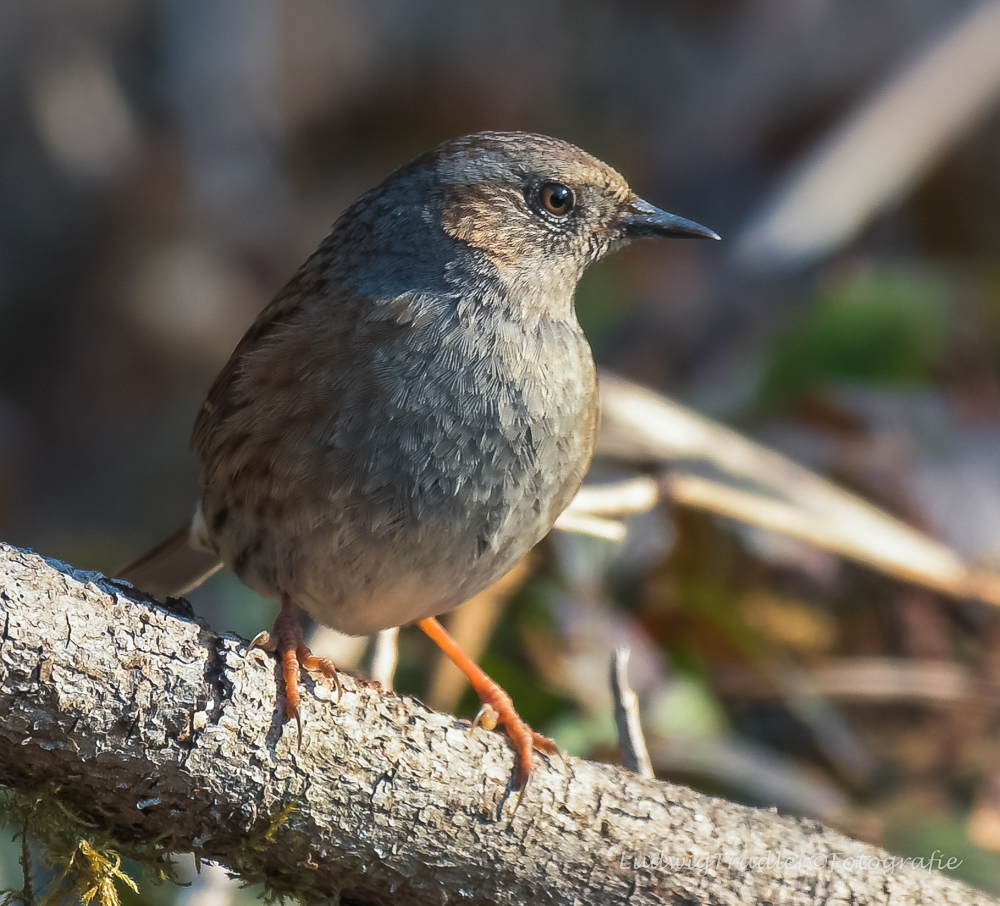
{"x": 881, "y": 327}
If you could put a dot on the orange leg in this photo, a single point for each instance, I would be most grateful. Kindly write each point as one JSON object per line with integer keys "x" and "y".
{"x": 289, "y": 643}
{"x": 497, "y": 706}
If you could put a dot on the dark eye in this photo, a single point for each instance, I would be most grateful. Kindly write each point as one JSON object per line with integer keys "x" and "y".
{"x": 556, "y": 198}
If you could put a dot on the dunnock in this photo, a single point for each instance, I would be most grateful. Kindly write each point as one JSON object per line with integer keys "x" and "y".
{"x": 411, "y": 413}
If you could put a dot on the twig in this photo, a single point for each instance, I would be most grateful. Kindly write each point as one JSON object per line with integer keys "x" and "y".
{"x": 876, "y": 154}
{"x": 758, "y": 486}
{"x": 25, "y": 860}
{"x": 385, "y": 657}
{"x": 635, "y": 756}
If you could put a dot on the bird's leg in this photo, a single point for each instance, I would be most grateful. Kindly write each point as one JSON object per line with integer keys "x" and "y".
{"x": 288, "y": 641}
{"x": 497, "y": 706}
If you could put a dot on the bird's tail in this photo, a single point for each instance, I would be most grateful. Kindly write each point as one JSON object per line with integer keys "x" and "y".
{"x": 172, "y": 568}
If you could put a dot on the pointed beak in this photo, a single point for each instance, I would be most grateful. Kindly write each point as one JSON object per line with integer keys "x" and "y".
{"x": 643, "y": 219}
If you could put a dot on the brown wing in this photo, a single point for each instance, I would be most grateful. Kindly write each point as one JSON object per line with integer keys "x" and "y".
{"x": 221, "y": 402}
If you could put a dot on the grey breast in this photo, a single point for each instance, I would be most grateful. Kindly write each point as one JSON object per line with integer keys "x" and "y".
{"x": 455, "y": 466}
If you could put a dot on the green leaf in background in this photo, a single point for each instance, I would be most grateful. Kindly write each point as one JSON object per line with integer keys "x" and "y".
{"x": 881, "y": 326}
{"x": 943, "y": 837}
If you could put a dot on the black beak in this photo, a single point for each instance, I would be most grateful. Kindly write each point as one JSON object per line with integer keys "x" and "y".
{"x": 645, "y": 220}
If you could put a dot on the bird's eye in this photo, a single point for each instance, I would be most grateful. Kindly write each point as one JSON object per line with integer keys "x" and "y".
{"x": 556, "y": 198}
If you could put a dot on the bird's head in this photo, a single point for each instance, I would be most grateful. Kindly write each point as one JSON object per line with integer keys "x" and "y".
{"x": 538, "y": 206}
{"x": 527, "y": 213}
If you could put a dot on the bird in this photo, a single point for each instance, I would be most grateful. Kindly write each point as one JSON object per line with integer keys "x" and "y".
{"x": 408, "y": 416}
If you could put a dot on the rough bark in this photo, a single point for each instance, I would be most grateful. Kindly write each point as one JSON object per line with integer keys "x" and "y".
{"x": 158, "y": 728}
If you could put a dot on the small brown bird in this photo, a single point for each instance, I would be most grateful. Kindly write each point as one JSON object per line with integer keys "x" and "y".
{"x": 410, "y": 414}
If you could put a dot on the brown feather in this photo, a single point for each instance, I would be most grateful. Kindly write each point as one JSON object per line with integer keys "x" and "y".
{"x": 172, "y": 568}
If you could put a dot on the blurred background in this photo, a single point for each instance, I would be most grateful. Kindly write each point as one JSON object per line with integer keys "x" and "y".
{"x": 165, "y": 166}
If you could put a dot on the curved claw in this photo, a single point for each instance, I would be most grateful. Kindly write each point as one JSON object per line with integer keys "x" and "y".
{"x": 309, "y": 661}
{"x": 487, "y": 717}
{"x": 287, "y": 640}
{"x": 262, "y": 640}
{"x": 524, "y": 740}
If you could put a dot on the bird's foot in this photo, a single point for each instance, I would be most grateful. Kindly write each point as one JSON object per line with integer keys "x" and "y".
{"x": 497, "y": 709}
{"x": 287, "y": 640}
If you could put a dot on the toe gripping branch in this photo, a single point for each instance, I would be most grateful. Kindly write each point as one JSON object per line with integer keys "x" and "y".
{"x": 497, "y": 707}
{"x": 288, "y": 641}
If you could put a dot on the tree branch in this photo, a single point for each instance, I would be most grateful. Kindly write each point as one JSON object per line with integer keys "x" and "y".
{"x": 156, "y": 727}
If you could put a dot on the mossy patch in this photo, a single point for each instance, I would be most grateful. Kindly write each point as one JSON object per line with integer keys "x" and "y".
{"x": 84, "y": 860}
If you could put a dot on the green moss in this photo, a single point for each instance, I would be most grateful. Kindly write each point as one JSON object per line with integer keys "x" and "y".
{"x": 85, "y": 860}
{"x": 294, "y": 878}
{"x": 278, "y": 886}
